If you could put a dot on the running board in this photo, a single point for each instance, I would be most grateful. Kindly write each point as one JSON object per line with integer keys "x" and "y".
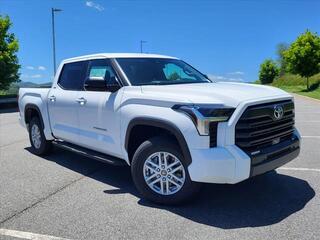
{"x": 90, "y": 153}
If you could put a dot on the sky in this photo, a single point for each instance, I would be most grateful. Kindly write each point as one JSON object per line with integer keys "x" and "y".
{"x": 226, "y": 40}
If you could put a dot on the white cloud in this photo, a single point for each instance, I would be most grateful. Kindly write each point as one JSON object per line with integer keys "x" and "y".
{"x": 94, "y": 5}
{"x": 36, "y": 76}
{"x": 236, "y": 73}
{"x": 42, "y": 68}
{"x": 215, "y": 77}
{"x": 224, "y": 79}
{"x": 25, "y": 76}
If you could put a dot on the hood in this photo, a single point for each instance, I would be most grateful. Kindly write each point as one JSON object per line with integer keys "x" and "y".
{"x": 226, "y": 93}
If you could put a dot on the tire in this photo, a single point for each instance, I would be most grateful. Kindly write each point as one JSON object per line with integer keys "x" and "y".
{"x": 140, "y": 167}
{"x": 42, "y": 146}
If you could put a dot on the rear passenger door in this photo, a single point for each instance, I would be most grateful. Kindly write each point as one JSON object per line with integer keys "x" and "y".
{"x": 63, "y": 101}
{"x": 99, "y": 122}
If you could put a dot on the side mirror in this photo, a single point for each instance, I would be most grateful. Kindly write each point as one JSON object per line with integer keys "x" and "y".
{"x": 101, "y": 84}
{"x": 95, "y": 84}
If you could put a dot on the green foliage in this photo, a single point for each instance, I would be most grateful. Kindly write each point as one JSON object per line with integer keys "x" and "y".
{"x": 298, "y": 62}
{"x": 296, "y": 84}
{"x": 281, "y": 48}
{"x": 303, "y": 55}
{"x": 268, "y": 71}
{"x": 301, "y": 90}
{"x": 289, "y": 79}
{"x": 14, "y": 87}
{"x": 9, "y": 46}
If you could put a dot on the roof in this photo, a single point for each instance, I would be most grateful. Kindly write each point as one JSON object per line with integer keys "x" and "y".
{"x": 116, "y": 55}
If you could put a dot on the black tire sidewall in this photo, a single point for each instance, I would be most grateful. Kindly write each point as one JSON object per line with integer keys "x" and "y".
{"x": 147, "y": 148}
{"x": 45, "y": 145}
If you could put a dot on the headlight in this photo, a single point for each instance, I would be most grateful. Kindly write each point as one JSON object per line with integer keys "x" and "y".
{"x": 203, "y": 115}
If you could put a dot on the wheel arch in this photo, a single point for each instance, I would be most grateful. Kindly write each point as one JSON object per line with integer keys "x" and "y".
{"x": 31, "y": 110}
{"x": 162, "y": 125}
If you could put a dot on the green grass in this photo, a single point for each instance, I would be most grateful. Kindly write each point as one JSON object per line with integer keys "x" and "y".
{"x": 296, "y": 84}
{"x": 302, "y": 91}
{"x": 13, "y": 90}
{"x": 7, "y": 93}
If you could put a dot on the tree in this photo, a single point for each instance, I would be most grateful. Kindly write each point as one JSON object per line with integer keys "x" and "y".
{"x": 281, "y": 48}
{"x": 268, "y": 71}
{"x": 303, "y": 55}
{"x": 9, "y": 65}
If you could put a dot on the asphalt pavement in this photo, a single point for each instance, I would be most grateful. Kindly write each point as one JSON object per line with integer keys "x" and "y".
{"x": 69, "y": 196}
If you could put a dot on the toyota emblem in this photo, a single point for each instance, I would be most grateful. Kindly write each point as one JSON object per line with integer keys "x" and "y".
{"x": 278, "y": 112}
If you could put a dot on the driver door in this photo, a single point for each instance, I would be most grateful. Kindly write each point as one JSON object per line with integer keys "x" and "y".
{"x": 99, "y": 122}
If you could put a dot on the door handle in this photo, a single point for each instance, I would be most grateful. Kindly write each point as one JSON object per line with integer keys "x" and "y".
{"x": 81, "y": 101}
{"x": 52, "y": 98}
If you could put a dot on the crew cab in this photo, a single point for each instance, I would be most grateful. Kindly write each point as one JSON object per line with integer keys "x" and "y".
{"x": 170, "y": 123}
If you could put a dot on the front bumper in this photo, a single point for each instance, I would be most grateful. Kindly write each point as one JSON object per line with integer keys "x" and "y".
{"x": 231, "y": 165}
{"x": 275, "y": 156}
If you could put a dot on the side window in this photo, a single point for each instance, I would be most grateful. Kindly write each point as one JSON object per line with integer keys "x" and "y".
{"x": 101, "y": 69}
{"x": 73, "y": 75}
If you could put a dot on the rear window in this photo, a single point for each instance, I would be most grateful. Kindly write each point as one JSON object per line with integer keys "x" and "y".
{"x": 73, "y": 75}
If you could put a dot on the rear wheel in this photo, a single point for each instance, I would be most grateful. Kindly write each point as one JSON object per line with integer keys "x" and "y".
{"x": 40, "y": 145}
{"x": 160, "y": 173}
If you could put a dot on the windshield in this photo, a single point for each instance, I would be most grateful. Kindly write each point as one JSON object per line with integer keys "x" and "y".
{"x": 159, "y": 71}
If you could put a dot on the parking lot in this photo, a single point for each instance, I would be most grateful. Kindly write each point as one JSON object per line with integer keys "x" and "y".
{"x": 69, "y": 196}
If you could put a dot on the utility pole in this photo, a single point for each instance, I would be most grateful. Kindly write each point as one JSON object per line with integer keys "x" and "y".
{"x": 141, "y": 45}
{"x": 53, "y": 10}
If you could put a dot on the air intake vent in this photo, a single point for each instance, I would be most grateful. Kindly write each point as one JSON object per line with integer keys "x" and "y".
{"x": 213, "y": 128}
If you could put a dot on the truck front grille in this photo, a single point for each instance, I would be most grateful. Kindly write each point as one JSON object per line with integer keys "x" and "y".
{"x": 258, "y": 127}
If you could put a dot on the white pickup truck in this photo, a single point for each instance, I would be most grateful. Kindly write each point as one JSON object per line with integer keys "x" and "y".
{"x": 175, "y": 127}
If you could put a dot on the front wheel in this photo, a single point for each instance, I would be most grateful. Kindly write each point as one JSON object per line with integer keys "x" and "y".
{"x": 160, "y": 173}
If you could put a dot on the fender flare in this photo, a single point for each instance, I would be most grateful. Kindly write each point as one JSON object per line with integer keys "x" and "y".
{"x": 160, "y": 124}
{"x": 36, "y": 108}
